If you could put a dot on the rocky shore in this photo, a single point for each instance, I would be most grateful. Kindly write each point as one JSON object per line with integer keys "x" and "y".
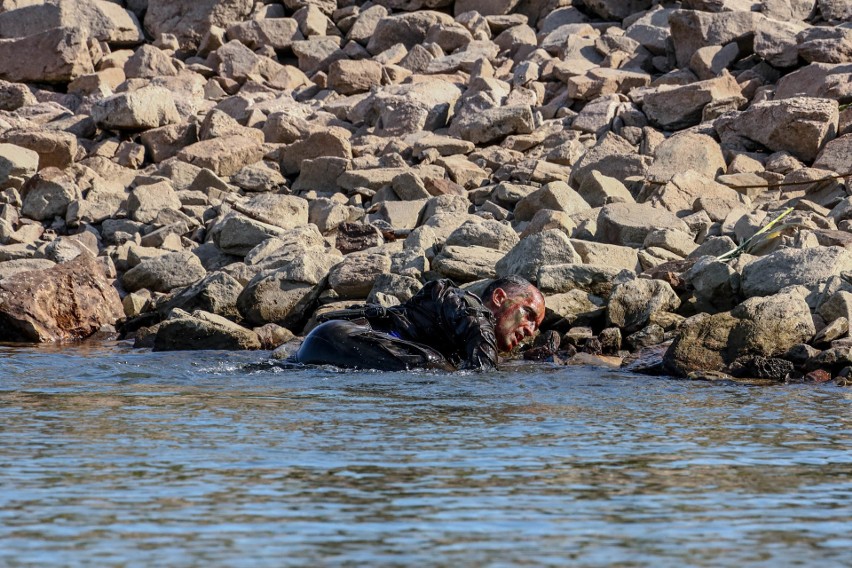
{"x": 212, "y": 174}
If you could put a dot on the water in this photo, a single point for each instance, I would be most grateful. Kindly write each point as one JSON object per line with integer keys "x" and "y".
{"x": 115, "y": 457}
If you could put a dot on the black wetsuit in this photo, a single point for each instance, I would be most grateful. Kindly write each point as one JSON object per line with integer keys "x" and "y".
{"x": 442, "y": 326}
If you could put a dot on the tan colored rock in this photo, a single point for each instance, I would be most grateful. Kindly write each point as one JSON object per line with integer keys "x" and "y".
{"x": 349, "y": 77}
{"x": 675, "y": 107}
{"x": 57, "y": 55}
{"x": 223, "y": 156}
{"x": 324, "y": 143}
{"x": 799, "y": 125}
{"x": 692, "y": 30}
{"x": 63, "y": 303}
{"x": 189, "y": 20}
{"x": 278, "y": 33}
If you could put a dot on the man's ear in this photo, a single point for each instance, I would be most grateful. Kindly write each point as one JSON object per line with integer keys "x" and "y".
{"x": 498, "y": 296}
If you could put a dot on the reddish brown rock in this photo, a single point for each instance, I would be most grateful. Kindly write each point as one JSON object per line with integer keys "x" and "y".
{"x": 68, "y": 302}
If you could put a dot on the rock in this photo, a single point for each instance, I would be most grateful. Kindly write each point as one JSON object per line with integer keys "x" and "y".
{"x": 792, "y": 267}
{"x": 616, "y": 9}
{"x": 576, "y": 307}
{"x": 690, "y": 191}
{"x": 189, "y": 20}
{"x": 632, "y": 303}
{"x": 349, "y": 77}
{"x": 708, "y": 62}
{"x": 202, "y": 330}
{"x": 284, "y": 211}
{"x": 493, "y": 124}
{"x": 692, "y": 30}
{"x": 54, "y": 149}
{"x": 615, "y": 256}
{"x": 271, "y": 298}
{"x": 57, "y": 55}
{"x": 557, "y": 196}
{"x": 761, "y": 367}
{"x": 354, "y": 237}
{"x": 799, "y": 125}
{"x": 48, "y": 193}
{"x": 330, "y": 143}
{"x": 531, "y": 253}
{"x": 146, "y": 201}
{"x": 757, "y": 327}
{"x": 467, "y": 263}
{"x": 687, "y": 151}
{"x": 354, "y": 277}
{"x": 278, "y": 33}
{"x": 628, "y": 224}
{"x": 406, "y": 29}
{"x": 611, "y": 156}
{"x": 17, "y": 164}
{"x": 776, "y": 43}
{"x": 11, "y": 267}
{"x": 598, "y": 190}
{"x": 273, "y": 336}
{"x": 487, "y": 233}
{"x": 63, "y": 303}
{"x": 223, "y": 156}
{"x": 238, "y": 234}
{"x": 216, "y": 293}
{"x": 164, "y": 273}
{"x": 675, "y": 107}
{"x": 149, "y": 107}
{"x": 716, "y": 284}
{"x": 836, "y": 155}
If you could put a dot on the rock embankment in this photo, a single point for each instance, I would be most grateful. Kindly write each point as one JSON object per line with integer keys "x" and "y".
{"x": 211, "y": 174}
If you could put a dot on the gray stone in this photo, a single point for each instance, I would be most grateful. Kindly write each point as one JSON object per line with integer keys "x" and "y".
{"x": 531, "y": 253}
{"x": 202, "y": 330}
{"x": 355, "y": 275}
{"x": 467, "y": 263}
{"x": 799, "y": 125}
{"x": 48, "y": 193}
{"x": 556, "y": 195}
{"x": 632, "y": 303}
{"x": 486, "y": 233}
{"x": 788, "y": 267}
{"x": 216, "y": 293}
{"x": 628, "y": 224}
{"x": 164, "y": 273}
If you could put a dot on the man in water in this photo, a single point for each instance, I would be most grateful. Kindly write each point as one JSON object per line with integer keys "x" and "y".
{"x": 441, "y": 327}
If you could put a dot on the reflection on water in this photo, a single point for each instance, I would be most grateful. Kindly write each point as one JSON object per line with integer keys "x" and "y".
{"x": 110, "y": 456}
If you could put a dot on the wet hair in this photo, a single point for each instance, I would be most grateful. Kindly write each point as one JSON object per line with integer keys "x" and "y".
{"x": 513, "y": 285}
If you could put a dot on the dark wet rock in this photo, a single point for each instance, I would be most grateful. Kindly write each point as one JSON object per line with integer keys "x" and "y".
{"x": 202, "y": 330}
{"x": 649, "y": 335}
{"x": 354, "y": 237}
{"x": 761, "y": 367}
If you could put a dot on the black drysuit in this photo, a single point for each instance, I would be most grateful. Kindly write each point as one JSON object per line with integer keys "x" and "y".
{"x": 442, "y": 326}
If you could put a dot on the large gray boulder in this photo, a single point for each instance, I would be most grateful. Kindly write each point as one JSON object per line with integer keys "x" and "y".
{"x": 164, "y": 273}
{"x": 551, "y": 246}
{"x": 99, "y": 19}
{"x": 216, "y": 293}
{"x": 355, "y": 275}
{"x": 48, "y": 193}
{"x": 788, "y": 267}
{"x": 237, "y": 234}
{"x": 757, "y": 327}
{"x": 493, "y": 124}
{"x": 632, "y": 303}
{"x": 149, "y": 107}
{"x": 556, "y": 195}
{"x": 58, "y": 55}
{"x": 628, "y": 224}
{"x": 468, "y": 263}
{"x": 202, "y": 330}
{"x": 270, "y": 297}
{"x": 799, "y": 125}
{"x": 17, "y": 164}
{"x": 687, "y": 151}
{"x": 694, "y": 29}
{"x": 189, "y": 20}
{"x": 488, "y": 233}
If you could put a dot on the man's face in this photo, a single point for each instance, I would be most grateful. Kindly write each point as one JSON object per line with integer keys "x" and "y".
{"x": 518, "y": 316}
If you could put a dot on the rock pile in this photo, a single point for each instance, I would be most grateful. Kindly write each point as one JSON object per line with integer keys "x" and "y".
{"x": 213, "y": 173}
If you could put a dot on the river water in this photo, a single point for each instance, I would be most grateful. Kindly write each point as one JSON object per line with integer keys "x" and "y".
{"x": 116, "y": 457}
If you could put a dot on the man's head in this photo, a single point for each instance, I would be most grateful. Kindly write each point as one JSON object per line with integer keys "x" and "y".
{"x": 517, "y": 306}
